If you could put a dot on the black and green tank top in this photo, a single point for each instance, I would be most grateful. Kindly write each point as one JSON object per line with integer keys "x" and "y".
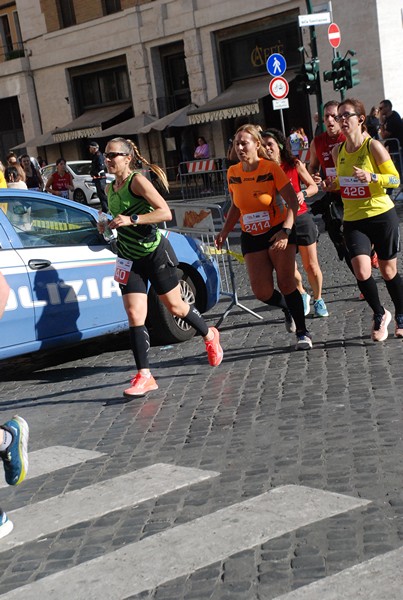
{"x": 133, "y": 242}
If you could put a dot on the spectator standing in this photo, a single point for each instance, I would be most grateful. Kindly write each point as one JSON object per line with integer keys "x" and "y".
{"x": 392, "y": 129}
{"x": 202, "y": 149}
{"x": 13, "y": 179}
{"x": 33, "y": 178}
{"x": 372, "y": 123}
{"x": 98, "y": 174}
{"x": 295, "y": 142}
{"x": 60, "y": 182}
{"x": 12, "y": 161}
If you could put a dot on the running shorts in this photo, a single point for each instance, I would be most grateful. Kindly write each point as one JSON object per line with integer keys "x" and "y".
{"x": 256, "y": 243}
{"x": 381, "y": 230}
{"x": 307, "y": 230}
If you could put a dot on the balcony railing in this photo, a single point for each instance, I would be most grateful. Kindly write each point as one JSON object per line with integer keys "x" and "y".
{"x": 7, "y": 53}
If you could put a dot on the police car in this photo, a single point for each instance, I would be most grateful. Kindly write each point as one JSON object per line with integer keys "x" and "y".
{"x": 61, "y": 274}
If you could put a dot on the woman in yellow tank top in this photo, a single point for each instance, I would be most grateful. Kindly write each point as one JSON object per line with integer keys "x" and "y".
{"x": 364, "y": 169}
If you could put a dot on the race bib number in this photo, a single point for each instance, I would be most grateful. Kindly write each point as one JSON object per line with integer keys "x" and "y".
{"x": 122, "y": 270}
{"x": 352, "y": 188}
{"x": 256, "y": 223}
{"x": 331, "y": 173}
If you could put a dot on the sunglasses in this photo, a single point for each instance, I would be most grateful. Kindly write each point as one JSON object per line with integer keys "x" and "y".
{"x": 112, "y": 155}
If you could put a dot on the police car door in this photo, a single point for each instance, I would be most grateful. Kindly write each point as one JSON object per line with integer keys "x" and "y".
{"x": 17, "y": 327}
{"x": 70, "y": 269}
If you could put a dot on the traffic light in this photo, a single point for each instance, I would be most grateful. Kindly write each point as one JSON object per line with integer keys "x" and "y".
{"x": 340, "y": 72}
{"x": 351, "y": 73}
{"x": 308, "y": 77}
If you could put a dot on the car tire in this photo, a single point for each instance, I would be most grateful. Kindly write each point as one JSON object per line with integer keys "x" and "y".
{"x": 164, "y": 328}
{"x": 79, "y": 196}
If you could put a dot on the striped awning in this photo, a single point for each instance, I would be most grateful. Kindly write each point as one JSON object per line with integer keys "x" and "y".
{"x": 241, "y": 98}
{"x": 91, "y": 123}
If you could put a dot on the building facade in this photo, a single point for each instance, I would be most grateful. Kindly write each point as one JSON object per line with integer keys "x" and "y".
{"x": 71, "y": 70}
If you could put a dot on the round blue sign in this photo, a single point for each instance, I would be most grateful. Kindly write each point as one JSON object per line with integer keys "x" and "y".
{"x": 276, "y": 65}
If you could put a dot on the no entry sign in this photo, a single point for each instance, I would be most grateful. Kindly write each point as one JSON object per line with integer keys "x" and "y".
{"x": 334, "y": 35}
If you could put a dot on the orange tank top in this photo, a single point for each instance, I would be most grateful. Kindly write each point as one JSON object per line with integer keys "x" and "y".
{"x": 256, "y": 195}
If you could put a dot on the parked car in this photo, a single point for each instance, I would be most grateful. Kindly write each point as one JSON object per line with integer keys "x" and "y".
{"x": 84, "y": 190}
{"x": 61, "y": 274}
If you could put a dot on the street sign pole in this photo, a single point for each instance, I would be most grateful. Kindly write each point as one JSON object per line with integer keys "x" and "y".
{"x": 314, "y": 51}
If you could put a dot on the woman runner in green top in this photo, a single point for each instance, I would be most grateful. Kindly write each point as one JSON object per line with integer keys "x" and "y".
{"x": 144, "y": 255}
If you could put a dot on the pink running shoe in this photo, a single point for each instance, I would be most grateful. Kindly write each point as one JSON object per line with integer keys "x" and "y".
{"x": 140, "y": 385}
{"x": 380, "y": 326}
{"x": 214, "y": 351}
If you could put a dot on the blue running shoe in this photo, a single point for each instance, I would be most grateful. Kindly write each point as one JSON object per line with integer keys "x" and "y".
{"x": 306, "y": 299}
{"x": 5, "y": 524}
{"x": 320, "y": 308}
{"x": 15, "y": 458}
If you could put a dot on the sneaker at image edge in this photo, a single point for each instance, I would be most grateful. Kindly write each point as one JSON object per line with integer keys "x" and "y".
{"x": 289, "y": 321}
{"x": 306, "y": 299}
{"x": 380, "y": 324}
{"x": 15, "y": 458}
{"x": 214, "y": 351}
{"x": 320, "y": 308}
{"x": 304, "y": 341}
{"x": 140, "y": 385}
{"x": 6, "y": 526}
{"x": 399, "y": 326}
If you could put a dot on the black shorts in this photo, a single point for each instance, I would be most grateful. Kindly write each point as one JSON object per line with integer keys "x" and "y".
{"x": 256, "y": 243}
{"x": 307, "y": 230}
{"x": 158, "y": 268}
{"x": 382, "y": 231}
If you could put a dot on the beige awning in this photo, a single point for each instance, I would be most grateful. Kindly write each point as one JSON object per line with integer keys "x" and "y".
{"x": 89, "y": 124}
{"x": 179, "y": 118}
{"x": 129, "y": 127}
{"x": 241, "y": 98}
{"x": 45, "y": 139}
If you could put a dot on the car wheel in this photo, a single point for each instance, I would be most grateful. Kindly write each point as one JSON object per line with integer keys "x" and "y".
{"x": 79, "y": 196}
{"x": 164, "y": 328}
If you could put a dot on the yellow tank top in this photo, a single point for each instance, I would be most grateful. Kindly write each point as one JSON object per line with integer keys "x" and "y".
{"x": 360, "y": 200}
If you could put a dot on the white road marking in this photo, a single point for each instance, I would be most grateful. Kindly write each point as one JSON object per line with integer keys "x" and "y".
{"x": 62, "y": 511}
{"x": 181, "y": 550}
{"x": 53, "y": 458}
{"x": 380, "y": 578}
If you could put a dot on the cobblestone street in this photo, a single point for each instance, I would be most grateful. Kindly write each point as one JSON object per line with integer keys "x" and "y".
{"x": 328, "y": 420}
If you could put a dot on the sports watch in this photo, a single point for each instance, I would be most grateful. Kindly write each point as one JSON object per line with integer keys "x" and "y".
{"x": 374, "y": 178}
{"x": 134, "y": 219}
{"x": 286, "y": 230}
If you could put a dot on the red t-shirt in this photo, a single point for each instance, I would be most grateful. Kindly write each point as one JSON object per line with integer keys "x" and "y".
{"x": 61, "y": 182}
{"x": 292, "y": 173}
{"x": 324, "y": 145}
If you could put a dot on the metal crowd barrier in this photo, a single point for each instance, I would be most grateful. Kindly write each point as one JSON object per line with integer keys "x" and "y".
{"x": 204, "y": 221}
{"x": 205, "y": 178}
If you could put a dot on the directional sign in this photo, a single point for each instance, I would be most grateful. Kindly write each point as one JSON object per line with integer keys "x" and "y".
{"x": 276, "y": 64}
{"x": 334, "y": 35}
{"x": 279, "y": 88}
{"x": 311, "y": 20}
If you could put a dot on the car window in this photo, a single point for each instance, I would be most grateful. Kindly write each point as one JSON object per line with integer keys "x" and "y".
{"x": 80, "y": 168}
{"x": 41, "y": 223}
